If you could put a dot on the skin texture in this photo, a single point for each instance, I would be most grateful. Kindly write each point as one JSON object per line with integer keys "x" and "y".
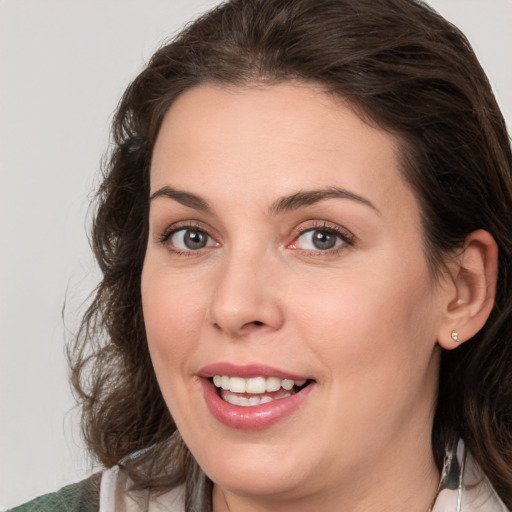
{"x": 362, "y": 319}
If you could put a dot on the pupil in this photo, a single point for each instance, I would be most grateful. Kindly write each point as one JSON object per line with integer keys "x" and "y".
{"x": 195, "y": 239}
{"x": 324, "y": 240}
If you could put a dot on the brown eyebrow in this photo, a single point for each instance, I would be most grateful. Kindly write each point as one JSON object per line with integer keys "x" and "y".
{"x": 309, "y": 197}
{"x": 282, "y": 205}
{"x": 184, "y": 198}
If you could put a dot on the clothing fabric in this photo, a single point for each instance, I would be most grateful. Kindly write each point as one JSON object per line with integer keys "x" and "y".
{"x": 81, "y": 497}
{"x": 114, "y": 498}
{"x": 463, "y": 488}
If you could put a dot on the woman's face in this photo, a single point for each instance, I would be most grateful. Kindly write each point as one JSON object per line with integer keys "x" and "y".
{"x": 285, "y": 251}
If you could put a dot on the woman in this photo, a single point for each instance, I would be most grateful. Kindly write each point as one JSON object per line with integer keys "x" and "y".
{"x": 305, "y": 234}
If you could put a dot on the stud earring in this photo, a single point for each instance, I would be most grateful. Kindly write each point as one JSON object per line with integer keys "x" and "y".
{"x": 455, "y": 336}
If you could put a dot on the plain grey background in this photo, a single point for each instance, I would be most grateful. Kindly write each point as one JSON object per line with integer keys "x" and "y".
{"x": 63, "y": 67}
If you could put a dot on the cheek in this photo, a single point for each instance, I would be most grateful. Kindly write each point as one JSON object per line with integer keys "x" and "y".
{"x": 380, "y": 319}
{"x": 172, "y": 316}
{"x": 173, "y": 311}
{"x": 375, "y": 337}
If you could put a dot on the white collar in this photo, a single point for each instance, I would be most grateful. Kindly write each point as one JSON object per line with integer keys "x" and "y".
{"x": 463, "y": 486}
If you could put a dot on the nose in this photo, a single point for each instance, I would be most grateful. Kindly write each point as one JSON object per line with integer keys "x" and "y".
{"x": 246, "y": 297}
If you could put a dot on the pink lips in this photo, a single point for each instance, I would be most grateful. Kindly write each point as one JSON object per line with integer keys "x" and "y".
{"x": 256, "y": 417}
{"x": 247, "y": 371}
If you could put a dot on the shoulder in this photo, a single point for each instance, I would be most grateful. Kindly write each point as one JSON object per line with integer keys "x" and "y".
{"x": 108, "y": 491}
{"x": 117, "y": 494}
{"x": 81, "y": 497}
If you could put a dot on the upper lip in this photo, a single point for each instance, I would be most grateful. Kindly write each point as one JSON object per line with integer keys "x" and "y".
{"x": 247, "y": 371}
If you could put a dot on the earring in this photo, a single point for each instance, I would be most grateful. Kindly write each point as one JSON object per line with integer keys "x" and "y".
{"x": 455, "y": 336}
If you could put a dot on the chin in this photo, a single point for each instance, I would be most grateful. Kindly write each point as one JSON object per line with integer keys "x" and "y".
{"x": 259, "y": 470}
{"x": 260, "y": 482}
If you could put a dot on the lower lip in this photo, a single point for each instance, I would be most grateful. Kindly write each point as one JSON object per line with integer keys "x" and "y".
{"x": 256, "y": 417}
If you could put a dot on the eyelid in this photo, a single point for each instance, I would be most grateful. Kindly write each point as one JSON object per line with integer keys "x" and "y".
{"x": 169, "y": 230}
{"x": 164, "y": 237}
{"x": 347, "y": 238}
{"x": 344, "y": 234}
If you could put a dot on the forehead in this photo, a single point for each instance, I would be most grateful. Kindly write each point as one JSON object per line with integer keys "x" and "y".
{"x": 276, "y": 138}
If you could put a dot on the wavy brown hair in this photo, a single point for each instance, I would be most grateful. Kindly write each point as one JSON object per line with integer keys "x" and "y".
{"x": 403, "y": 68}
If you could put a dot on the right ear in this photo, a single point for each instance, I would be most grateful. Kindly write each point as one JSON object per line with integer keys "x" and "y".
{"x": 474, "y": 276}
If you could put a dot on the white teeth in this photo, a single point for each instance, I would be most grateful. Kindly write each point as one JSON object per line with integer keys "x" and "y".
{"x": 237, "y": 384}
{"x": 255, "y": 385}
{"x": 243, "y": 401}
{"x": 273, "y": 384}
{"x": 287, "y": 384}
{"x": 232, "y": 399}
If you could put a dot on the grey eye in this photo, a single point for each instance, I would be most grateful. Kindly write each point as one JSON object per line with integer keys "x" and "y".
{"x": 323, "y": 240}
{"x": 319, "y": 240}
{"x": 190, "y": 239}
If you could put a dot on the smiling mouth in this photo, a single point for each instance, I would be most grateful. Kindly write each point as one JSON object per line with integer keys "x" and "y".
{"x": 256, "y": 390}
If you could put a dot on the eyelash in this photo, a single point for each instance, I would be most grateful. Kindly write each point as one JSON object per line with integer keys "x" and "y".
{"x": 175, "y": 228}
{"x": 347, "y": 238}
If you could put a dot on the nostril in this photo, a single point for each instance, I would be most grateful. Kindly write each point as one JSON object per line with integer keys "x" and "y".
{"x": 254, "y": 323}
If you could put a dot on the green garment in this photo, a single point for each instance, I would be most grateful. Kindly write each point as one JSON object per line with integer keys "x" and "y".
{"x": 80, "y": 497}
